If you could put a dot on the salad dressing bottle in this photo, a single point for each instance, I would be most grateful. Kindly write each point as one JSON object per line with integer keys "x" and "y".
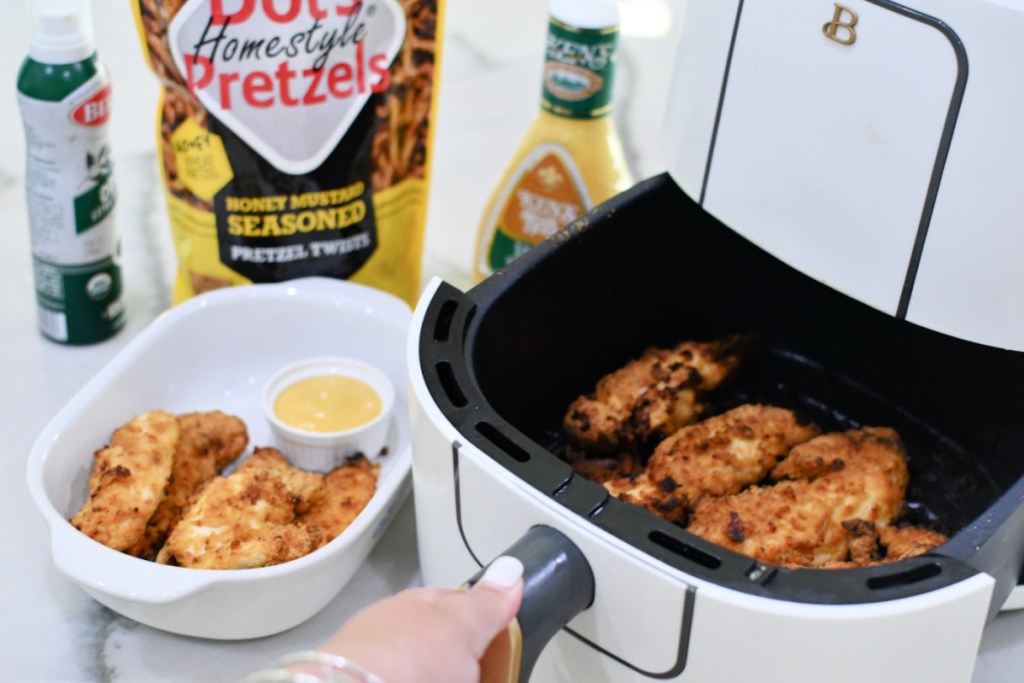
{"x": 571, "y": 158}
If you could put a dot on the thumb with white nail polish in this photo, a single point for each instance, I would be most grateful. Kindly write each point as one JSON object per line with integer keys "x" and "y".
{"x": 503, "y": 572}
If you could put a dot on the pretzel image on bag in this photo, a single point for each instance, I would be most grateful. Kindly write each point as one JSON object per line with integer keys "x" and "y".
{"x": 294, "y": 137}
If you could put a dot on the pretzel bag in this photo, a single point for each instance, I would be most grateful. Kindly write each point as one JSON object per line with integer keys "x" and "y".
{"x": 295, "y": 137}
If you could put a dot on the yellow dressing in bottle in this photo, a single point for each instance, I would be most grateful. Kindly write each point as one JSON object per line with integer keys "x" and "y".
{"x": 571, "y": 158}
{"x": 327, "y": 403}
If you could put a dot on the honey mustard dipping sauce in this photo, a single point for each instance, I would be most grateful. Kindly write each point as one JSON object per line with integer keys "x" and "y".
{"x": 328, "y": 403}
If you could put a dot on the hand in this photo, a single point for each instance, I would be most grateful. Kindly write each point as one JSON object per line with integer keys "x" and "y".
{"x": 425, "y": 635}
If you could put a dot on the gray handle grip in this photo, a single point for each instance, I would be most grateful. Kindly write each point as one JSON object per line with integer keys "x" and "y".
{"x": 558, "y": 584}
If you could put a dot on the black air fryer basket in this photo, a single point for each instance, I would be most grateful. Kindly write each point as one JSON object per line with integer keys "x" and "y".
{"x": 651, "y": 268}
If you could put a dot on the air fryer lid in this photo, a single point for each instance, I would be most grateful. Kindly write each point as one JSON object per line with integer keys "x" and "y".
{"x": 650, "y": 267}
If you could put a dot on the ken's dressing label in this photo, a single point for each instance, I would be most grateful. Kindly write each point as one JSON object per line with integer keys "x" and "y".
{"x": 545, "y": 192}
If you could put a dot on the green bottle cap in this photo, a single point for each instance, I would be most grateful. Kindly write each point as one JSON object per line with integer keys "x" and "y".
{"x": 580, "y": 58}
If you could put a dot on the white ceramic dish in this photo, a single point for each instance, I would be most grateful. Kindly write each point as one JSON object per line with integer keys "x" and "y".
{"x": 322, "y": 451}
{"x": 217, "y": 351}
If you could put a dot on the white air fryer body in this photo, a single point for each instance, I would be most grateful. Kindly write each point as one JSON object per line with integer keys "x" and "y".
{"x": 883, "y": 158}
{"x": 877, "y": 148}
{"x": 649, "y": 620}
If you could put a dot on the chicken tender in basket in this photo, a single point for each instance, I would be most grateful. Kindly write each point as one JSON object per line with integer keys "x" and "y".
{"x": 799, "y": 522}
{"x": 651, "y": 397}
{"x": 129, "y": 480}
{"x": 715, "y": 457}
{"x": 909, "y": 541}
{"x": 870, "y": 546}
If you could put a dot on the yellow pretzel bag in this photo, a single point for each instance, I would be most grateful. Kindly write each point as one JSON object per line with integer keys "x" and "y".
{"x": 295, "y": 137}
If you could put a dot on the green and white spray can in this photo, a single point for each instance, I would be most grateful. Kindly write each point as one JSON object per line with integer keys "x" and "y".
{"x": 64, "y": 97}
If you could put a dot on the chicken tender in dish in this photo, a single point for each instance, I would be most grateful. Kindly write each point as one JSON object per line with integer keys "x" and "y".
{"x": 715, "y": 457}
{"x": 210, "y": 441}
{"x": 798, "y": 522}
{"x": 268, "y": 512}
{"x": 213, "y": 436}
{"x": 347, "y": 490}
{"x": 129, "y": 480}
{"x": 651, "y": 397}
{"x": 247, "y": 519}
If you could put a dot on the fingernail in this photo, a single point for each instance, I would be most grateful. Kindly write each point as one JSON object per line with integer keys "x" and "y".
{"x": 503, "y": 572}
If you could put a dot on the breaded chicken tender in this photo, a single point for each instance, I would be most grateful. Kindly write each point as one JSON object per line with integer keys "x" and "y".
{"x": 862, "y": 542}
{"x": 870, "y": 546}
{"x": 715, "y": 457}
{"x": 798, "y": 522}
{"x": 129, "y": 480}
{"x": 603, "y": 468}
{"x": 347, "y": 490}
{"x": 862, "y": 472}
{"x": 210, "y": 441}
{"x": 214, "y": 436}
{"x": 248, "y": 519}
{"x": 651, "y": 397}
{"x": 909, "y": 541}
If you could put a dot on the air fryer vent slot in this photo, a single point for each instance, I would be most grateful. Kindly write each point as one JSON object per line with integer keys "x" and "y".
{"x": 502, "y": 442}
{"x": 904, "y": 578}
{"x": 445, "y": 316}
{"x": 450, "y": 385}
{"x": 683, "y": 549}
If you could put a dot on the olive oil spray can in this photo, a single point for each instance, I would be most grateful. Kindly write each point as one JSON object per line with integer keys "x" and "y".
{"x": 64, "y": 98}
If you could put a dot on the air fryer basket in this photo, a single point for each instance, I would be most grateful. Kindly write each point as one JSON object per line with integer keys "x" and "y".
{"x": 650, "y": 267}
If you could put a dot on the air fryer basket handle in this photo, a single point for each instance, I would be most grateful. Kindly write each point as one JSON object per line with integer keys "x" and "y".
{"x": 558, "y": 584}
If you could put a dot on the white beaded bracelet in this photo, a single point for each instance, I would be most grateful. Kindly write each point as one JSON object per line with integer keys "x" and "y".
{"x": 312, "y": 666}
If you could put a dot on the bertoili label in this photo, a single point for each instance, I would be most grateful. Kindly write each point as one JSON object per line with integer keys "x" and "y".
{"x": 287, "y": 76}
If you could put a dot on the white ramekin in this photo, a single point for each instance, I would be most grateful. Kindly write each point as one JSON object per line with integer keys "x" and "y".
{"x": 322, "y": 451}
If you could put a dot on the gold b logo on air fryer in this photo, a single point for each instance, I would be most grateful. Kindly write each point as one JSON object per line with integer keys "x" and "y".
{"x": 840, "y": 29}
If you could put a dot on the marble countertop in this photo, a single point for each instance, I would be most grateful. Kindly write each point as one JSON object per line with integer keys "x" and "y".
{"x": 50, "y": 630}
